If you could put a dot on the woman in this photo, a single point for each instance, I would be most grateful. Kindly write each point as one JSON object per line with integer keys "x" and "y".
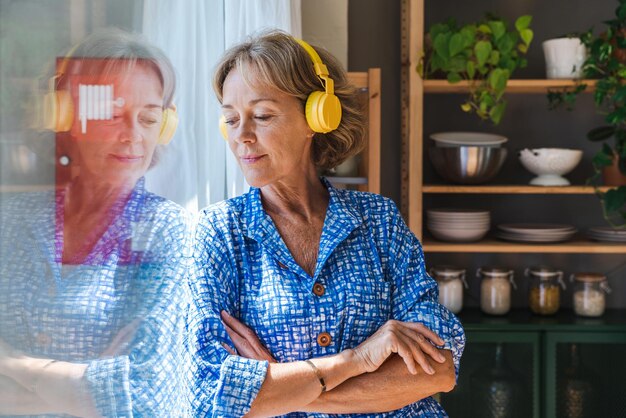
{"x": 331, "y": 281}
{"x": 92, "y": 290}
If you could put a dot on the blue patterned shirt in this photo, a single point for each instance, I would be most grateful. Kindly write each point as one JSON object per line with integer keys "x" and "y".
{"x": 135, "y": 273}
{"x": 371, "y": 268}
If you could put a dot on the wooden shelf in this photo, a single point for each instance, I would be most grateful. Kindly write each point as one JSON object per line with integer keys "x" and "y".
{"x": 511, "y": 189}
{"x": 513, "y": 86}
{"x": 492, "y": 245}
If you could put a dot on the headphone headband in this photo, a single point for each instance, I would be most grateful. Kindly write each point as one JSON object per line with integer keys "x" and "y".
{"x": 320, "y": 68}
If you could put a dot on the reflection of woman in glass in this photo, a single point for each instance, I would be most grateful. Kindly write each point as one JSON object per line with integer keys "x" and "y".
{"x": 92, "y": 276}
{"x": 330, "y": 283}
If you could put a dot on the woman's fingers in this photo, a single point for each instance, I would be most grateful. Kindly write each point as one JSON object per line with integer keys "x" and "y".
{"x": 426, "y": 332}
{"x": 245, "y": 340}
{"x": 229, "y": 349}
{"x": 424, "y": 344}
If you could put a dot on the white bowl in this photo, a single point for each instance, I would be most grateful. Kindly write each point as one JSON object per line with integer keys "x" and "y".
{"x": 550, "y": 164}
{"x": 468, "y": 139}
{"x": 458, "y": 235}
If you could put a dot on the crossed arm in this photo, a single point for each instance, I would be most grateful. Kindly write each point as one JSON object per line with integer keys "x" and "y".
{"x": 391, "y": 369}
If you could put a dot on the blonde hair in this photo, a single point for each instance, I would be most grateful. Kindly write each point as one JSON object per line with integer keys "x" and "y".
{"x": 275, "y": 58}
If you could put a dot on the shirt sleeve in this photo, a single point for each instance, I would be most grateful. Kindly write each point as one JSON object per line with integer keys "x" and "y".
{"x": 223, "y": 385}
{"x": 415, "y": 295}
{"x": 146, "y": 377}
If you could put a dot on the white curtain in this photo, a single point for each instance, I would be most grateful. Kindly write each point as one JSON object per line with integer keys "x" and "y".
{"x": 197, "y": 168}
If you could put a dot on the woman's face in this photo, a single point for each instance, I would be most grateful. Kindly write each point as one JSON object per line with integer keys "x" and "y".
{"x": 267, "y": 132}
{"x": 119, "y": 151}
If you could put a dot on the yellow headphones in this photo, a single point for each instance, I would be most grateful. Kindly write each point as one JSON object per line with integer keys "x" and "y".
{"x": 323, "y": 108}
{"x": 56, "y": 112}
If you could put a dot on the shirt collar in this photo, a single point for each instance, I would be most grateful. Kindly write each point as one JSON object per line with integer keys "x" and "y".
{"x": 342, "y": 217}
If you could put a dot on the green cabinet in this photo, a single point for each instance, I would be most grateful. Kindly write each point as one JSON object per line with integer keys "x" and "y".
{"x": 522, "y": 365}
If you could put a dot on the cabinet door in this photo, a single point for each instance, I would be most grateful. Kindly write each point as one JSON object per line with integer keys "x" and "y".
{"x": 499, "y": 377}
{"x": 584, "y": 374}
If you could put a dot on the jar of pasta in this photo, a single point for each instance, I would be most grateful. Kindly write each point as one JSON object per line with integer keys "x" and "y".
{"x": 451, "y": 281}
{"x": 589, "y": 293}
{"x": 544, "y": 290}
{"x": 495, "y": 289}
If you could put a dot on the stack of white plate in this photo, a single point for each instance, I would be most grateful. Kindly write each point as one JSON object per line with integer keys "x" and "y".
{"x": 458, "y": 225}
{"x": 535, "y": 232}
{"x": 605, "y": 233}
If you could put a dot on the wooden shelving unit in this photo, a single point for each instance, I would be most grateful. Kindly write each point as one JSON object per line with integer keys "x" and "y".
{"x": 413, "y": 89}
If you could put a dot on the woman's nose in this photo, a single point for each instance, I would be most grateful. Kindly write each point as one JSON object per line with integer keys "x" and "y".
{"x": 244, "y": 133}
{"x": 130, "y": 132}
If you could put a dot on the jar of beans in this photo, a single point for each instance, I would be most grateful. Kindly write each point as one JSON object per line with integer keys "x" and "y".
{"x": 544, "y": 290}
{"x": 495, "y": 289}
{"x": 589, "y": 293}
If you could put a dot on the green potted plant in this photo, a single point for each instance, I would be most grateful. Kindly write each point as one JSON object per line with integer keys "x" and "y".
{"x": 485, "y": 53}
{"x": 606, "y": 63}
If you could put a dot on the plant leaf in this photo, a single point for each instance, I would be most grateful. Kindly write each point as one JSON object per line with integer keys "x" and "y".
{"x": 496, "y": 112}
{"x": 498, "y": 79}
{"x": 527, "y": 36}
{"x": 614, "y": 200}
{"x": 482, "y": 51}
{"x": 471, "y": 69}
{"x": 523, "y": 22}
{"x": 456, "y": 44}
{"x": 497, "y": 28}
{"x": 601, "y": 133}
{"x": 484, "y": 29}
{"x": 440, "y": 45}
{"x": 454, "y": 77}
{"x": 466, "y": 107}
{"x": 601, "y": 159}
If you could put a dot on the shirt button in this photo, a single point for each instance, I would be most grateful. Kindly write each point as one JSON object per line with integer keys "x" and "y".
{"x": 318, "y": 289}
{"x": 43, "y": 339}
{"x": 323, "y": 339}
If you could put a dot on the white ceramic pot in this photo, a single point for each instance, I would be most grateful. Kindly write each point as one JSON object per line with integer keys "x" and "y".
{"x": 564, "y": 57}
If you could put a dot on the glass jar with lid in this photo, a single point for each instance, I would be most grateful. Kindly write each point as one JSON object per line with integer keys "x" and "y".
{"x": 589, "y": 291}
{"x": 544, "y": 290}
{"x": 495, "y": 289}
{"x": 451, "y": 281}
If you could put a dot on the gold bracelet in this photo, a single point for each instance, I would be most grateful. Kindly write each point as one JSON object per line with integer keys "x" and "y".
{"x": 35, "y": 386}
{"x": 318, "y": 374}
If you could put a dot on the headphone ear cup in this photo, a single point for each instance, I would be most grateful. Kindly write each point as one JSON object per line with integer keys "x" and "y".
{"x": 168, "y": 126}
{"x": 57, "y": 111}
{"x": 323, "y": 112}
{"x": 223, "y": 127}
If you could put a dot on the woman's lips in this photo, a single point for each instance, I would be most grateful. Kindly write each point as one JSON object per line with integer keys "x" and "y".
{"x": 124, "y": 158}
{"x": 251, "y": 159}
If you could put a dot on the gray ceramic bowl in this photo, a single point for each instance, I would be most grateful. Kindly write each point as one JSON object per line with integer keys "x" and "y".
{"x": 467, "y": 165}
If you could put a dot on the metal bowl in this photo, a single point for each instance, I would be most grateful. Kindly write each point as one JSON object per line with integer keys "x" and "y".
{"x": 467, "y": 165}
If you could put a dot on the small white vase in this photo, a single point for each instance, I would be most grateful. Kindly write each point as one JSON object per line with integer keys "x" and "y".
{"x": 564, "y": 57}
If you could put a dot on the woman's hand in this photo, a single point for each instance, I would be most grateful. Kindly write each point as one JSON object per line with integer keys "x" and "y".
{"x": 246, "y": 342}
{"x": 410, "y": 340}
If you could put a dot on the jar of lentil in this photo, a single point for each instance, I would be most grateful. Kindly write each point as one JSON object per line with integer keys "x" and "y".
{"x": 495, "y": 289}
{"x": 589, "y": 291}
{"x": 544, "y": 290}
{"x": 451, "y": 281}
